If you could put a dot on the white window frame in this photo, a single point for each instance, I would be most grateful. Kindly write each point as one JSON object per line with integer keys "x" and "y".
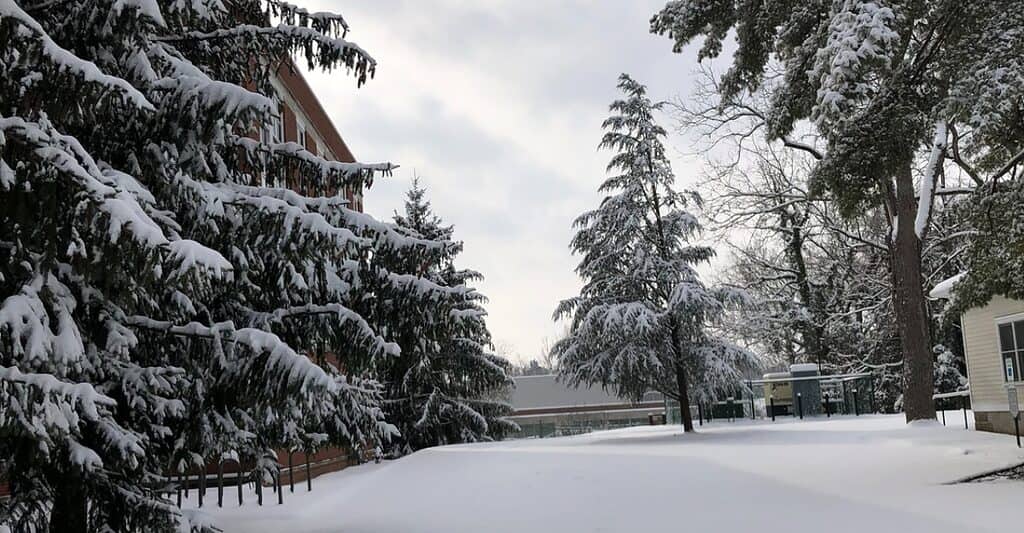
{"x": 1017, "y": 353}
{"x": 300, "y": 133}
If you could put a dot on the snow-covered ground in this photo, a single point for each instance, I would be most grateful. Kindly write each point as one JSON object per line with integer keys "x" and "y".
{"x": 865, "y": 474}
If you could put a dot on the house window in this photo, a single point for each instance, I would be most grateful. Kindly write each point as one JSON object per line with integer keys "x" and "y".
{"x": 1011, "y": 348}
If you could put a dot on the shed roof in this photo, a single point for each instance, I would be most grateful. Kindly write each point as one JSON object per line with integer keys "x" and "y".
{"x": 544, "y": 391}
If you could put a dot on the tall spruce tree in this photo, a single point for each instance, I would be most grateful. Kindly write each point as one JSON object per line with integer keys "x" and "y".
{"x": 158, "y": 309}
{"x": 447, "y": 386}
{"x": 642, "y": 320}
{"x": 893, "y": 87}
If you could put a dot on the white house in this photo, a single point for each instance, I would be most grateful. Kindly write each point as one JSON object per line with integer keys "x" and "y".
{"x": 994, "y": 349}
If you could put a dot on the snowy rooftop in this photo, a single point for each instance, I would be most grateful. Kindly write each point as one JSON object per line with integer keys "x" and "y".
{"x": 537, "y": 392}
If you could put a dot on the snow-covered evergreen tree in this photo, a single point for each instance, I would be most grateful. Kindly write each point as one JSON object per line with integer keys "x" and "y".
{"x": 947, "y": 374}
{"x": 642, "y": 319}
{"x": 447, "y": 386}
{"x": 158, "y": 310}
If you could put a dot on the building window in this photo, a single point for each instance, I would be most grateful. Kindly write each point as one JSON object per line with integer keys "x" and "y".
{"x": 300, "y": 133}
{"x": 1011, "y": 349}
{"x": 278, "y": 120}
{"x": 272, "y": 132}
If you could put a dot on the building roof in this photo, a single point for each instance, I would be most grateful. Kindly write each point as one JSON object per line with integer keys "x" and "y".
{"x": 944, "y": 289}
{"x": 541, "y": 392}
{"x": 295, "y": 83}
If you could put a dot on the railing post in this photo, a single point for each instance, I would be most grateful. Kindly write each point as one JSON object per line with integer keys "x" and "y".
{"x": 291, "y": 471}
{"x": 856, "y": 408}
{"x": 309, "y": 478}
{"x": 220, "y": 483}
{"x": 280, "y": 489}
{"x": 258, "y": 479}
{"x": 800, "y": 404}
{"x": 202, "y": 485}
{"x": 772, "y": 404}
{"x": 239, "y": 478}
{"x": 963, "y": 404}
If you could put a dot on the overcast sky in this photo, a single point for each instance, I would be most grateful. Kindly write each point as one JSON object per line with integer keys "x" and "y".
{"x": 497, "y": 106}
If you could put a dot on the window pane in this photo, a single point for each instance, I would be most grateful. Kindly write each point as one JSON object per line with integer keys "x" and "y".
{"x": 1006, "y": 337}
{"x": 1018, "y": 327}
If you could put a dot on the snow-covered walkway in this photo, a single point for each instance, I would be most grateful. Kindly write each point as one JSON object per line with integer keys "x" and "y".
{"x": 868, "y": 474}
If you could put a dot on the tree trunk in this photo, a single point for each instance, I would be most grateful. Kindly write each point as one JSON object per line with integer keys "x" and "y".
{"x": 909, "y": 305}
{"x": 70, "y": 508}
{"x": 812, "y": 330}
{"x": 684, "y": 399}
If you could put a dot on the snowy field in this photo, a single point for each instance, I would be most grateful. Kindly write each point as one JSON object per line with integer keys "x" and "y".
{"x": 847, "y": 474}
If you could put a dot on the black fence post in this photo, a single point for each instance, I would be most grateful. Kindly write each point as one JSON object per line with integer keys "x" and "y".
{"x": 751, "y": 387}
{"x": 828, "y": 407}
{"x": 943, "y": 411}
{"x": 309, "y": 478}
{"x": 220, "y": 483}
{"x": 871, "y": 395}
{"x": 1016, "y": 427}
{"x": 856, "y": 408}
{"x": 963, "y": 404}
{"x": 700, "y": 413}
{"x": 258, "y": 479}
{"x": 202, "y": 485}
{"x": 771, "y": 404}
{"x": 239, "y": 478}
{"x": 280, "y": 489}
{"x": 291, "y": 472}
{"x": 180, "y": 483}
{"x": 800, "y": 404}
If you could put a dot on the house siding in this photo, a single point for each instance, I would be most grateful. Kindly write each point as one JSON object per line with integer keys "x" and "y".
{"x": 984, "y": 367}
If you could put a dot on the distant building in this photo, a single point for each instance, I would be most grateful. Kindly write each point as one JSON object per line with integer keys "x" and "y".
{"x": 544, "y": 407}
{"x": 993, "y": 338}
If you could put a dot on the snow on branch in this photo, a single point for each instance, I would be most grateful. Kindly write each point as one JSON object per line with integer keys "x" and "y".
{"x": 291, "y": 33}
{"x": 926, "y": 196}
{"x": 253, "y": 197}
{"x": 65, "y": 60}
{"x": 83, "y": 395}
{"x": 352, "y": 173}
{"x": 344, "y": 314}
{"x": 231, "y": 99}
{"x": 65, "y": 155}
{"x": 39, "y": 332}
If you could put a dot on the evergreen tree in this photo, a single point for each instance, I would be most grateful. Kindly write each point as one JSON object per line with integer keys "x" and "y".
{"x": 446, "y": 386}
{"x": 947, "y": 374}
{"x": 158, "y": 310}
{"x": 642, "y": 320}
{"x": 892, "y": 87}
